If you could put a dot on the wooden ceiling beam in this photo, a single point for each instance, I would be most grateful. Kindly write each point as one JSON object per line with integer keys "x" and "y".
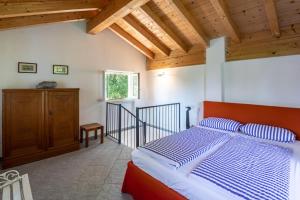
{"x": 186, "y": 15}
{"x": 143, "y": 30}
{"x": 272, "y": 17}
{"x": 42, "y": 7}
{"x": 177, "y": 58}
{"x": 221, "y": 9}
{"x": 16, "y": 22}
{"x": 115, "y": 10}
{"x": 132, "y": 41}
{"x": 165, "y": 28}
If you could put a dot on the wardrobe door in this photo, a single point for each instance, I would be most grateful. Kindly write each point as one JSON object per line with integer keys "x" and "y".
{"x": 62, "y": 120}
{"x": 23, "y": 124}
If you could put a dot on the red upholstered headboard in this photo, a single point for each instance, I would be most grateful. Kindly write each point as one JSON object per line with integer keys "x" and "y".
{"x": 277, "y": 116}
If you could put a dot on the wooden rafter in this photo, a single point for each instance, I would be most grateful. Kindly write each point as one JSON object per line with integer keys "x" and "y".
{"x": 27, "y": 8}
{"x": 272, "y": 17}
{"x": 115, "y": 10}
{"x": 177, "y": 58}
{"x": 187, "y": 16}
{"x": 221, "y": 8}
{"x": 165, "y": 28}
{"x": 16, "y": 22}
{"x": 138, "y": 26}
{"x": 131, "y": 40}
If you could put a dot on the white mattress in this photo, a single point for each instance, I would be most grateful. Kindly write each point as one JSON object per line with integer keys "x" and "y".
{"x": 202, "y": 189}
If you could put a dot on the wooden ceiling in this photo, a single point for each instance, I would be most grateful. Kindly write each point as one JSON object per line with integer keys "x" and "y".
{"x": 172, "y": 33}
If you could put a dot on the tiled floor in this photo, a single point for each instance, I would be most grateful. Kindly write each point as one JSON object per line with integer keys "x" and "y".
{"x": 93, "y": 173}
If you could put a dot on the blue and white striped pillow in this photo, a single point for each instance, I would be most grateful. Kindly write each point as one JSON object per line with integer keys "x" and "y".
{"x": 268, "y": 132}
{"x": 221, "y": 123}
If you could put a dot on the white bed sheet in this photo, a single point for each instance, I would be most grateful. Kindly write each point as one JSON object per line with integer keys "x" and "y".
{"x": 202, "y": 189}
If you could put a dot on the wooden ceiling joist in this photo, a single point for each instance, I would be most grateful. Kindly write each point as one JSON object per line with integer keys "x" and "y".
{"x": 165, "y": 28}
{"x": 263, "y": 45}
{"x": 272, "y": 17}
{"x": 195, "y": 56}
{"x": 131, "y": 40}
{"x": 221, "y": 8}
{"x": 187, "y": 17}
{"x": 16, "y": 22}
{"x": 138, "y": 26}
{"x": 42, "y": 7}
{"x": 115, "y": 10}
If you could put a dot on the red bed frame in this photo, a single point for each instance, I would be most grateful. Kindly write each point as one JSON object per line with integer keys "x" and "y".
{"x": 144, "y": 187}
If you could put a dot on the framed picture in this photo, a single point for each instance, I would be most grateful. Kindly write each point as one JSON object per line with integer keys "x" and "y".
{"x": 24, "y": 67}
{"x": 61, "y": 69}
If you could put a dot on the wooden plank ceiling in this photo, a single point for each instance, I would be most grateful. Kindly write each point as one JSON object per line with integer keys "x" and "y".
{"x": 172, "y": 33}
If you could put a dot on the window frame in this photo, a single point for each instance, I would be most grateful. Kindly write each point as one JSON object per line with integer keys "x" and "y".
{"x": 130, "y": 97}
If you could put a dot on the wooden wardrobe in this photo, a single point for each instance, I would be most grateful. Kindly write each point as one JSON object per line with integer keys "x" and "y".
{"x": 39, "y": 123}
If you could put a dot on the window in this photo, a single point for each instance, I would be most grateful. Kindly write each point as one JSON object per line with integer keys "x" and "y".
{"x": 121, "y": 85}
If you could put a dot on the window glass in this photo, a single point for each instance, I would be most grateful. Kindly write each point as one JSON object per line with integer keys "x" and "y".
{"x": 121, "y": 85}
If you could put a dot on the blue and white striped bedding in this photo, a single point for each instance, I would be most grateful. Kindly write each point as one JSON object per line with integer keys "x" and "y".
{"x": 249, "y": 169}
{"x": 185, "y": 146}
{"x": 268, "y": 132}
{"x": 221, "y": 123}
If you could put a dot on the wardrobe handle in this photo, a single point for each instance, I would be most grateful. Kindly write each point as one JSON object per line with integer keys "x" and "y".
{"x": 50, "y": 113}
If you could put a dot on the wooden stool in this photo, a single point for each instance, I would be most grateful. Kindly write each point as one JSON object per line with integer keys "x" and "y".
{"x": 91, "y": 127}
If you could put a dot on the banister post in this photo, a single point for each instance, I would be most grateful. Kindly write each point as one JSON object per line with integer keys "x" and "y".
{"x": 179, "y": 117}
{"x": 120, "y": 124}
{"x": 144, "y": 132}
{"x": 137, "y": 127}
{"x": 106, "y": 125}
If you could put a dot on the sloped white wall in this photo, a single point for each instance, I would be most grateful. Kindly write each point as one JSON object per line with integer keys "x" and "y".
{"x": 69, "y": 44}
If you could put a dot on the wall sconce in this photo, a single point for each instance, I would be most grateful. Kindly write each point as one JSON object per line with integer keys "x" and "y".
{"x": 161, "y": 74}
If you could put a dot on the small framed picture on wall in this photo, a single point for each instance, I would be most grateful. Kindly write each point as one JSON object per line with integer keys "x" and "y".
{"x": 24, "y": 67}
{"x": 61, "y": 69}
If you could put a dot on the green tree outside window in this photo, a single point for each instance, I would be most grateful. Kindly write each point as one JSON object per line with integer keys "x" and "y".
{"x": 121, "y": 85}
{"x": 117, "y": 86}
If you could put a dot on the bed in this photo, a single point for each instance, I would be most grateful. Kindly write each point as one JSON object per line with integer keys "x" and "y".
{"x": 148, "y": 179}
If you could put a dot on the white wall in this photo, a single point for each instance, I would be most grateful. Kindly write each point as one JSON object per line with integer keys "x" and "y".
{"x": 184, "y": 85}
{"x": 215, "y": 59}
{"x": 268, "y": 81}
{"x": 69, "y": 44}
{"x": 190, "y": 85}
